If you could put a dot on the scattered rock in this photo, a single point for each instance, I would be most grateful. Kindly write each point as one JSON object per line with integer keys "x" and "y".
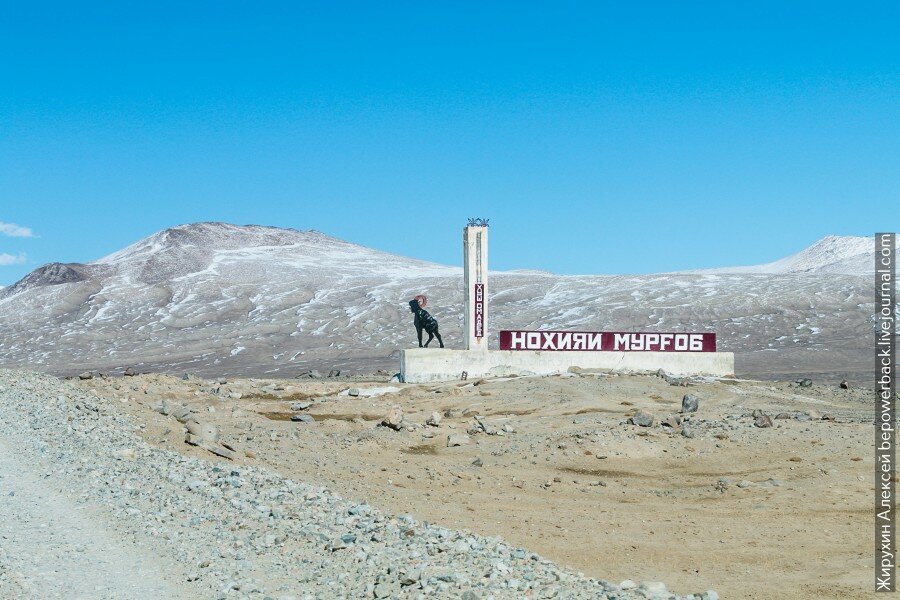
{"x": 783, "y": 415}
{"x": 477, "y": 462}
{"x": 163, "y": 408}
{"x": 337, "y": 544}
{"x": 690, "y": 403}
{"x": 672, "y": 422}
{"x": 434, "y": 420}
{"x": 805, "y": 383}
{"x": 296, "y": 406}
{"x": 182, "y": 414}
{"x": 763, "y": 421}
{"x": 303, "y": 418}
{"x": 204, "y": 431}
{"x": 353, "y": 392}
{"x": 334, "y": 373}
{"x": 129, "y": 372}
{"x": 845, "y": 385}
{"x": 642, "y": 419}
{"x": 457, "y": 439}
{"x": 86, "y": 375}
{"x": 688, "y": 432}
{"x": 394, "y": 418}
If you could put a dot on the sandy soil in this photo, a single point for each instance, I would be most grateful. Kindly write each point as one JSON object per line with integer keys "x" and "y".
{"x": 780, "y": 512}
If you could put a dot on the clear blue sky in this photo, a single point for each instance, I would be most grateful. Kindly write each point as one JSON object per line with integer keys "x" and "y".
{"x": 597, "y": 137}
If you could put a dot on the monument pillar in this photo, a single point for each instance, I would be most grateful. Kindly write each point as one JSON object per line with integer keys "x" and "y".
{"x": 475, "y": 258}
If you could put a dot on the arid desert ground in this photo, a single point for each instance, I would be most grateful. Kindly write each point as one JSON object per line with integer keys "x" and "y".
{"x": 555, "y": 465}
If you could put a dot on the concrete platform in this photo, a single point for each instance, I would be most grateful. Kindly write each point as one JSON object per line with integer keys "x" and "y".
{"x": 421, "y": 365}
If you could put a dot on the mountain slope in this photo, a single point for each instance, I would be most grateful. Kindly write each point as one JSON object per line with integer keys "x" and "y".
{"x": 226, "y": 299}
{"x": 831, "y": 254}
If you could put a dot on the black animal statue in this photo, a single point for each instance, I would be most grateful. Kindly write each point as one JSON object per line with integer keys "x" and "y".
{"x": 425, "y": 321}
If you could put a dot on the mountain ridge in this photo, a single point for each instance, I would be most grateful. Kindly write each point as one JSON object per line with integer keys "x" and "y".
{"x": 257, "y": 300}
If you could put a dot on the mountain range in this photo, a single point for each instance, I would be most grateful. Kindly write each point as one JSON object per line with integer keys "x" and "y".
{"x": 223, "y": 299}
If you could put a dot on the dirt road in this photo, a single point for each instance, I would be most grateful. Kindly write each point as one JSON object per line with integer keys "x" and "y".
{"x": 52, "y": 546}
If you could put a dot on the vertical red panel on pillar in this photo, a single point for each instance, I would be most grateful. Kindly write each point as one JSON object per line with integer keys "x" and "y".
{"x": 479, "y": 310}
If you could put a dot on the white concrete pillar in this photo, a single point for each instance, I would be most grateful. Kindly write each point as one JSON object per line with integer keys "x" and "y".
{"x": 475, "y": 258}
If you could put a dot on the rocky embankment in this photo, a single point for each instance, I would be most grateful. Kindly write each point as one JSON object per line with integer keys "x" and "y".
{"x": 157, "y": 522}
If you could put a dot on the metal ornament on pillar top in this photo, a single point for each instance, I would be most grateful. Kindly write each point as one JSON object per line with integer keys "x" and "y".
{"x": 475, "y": 259}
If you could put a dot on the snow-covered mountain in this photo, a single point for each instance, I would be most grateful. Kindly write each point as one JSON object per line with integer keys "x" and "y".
{"x": 832, "y": 254}
{"x": 226, "y": 299}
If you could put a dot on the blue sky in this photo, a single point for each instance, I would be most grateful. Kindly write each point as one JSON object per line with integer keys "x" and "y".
{"x": 597, "y": 137}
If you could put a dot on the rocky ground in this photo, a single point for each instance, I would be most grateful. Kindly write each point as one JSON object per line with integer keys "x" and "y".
{"x": 102, "y": 497}
{"x": 763, "y": 492}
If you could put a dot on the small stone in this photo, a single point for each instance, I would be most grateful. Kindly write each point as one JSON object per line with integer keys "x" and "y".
{"x": 394, "y": 418}
{"x": 334, "y": 373}
{"x": 744, "y": 483}
{"x": 654, "y": 588}
{"x": 690, "y": 403}
{"x": 845, "y": 385}
{"x": 477, "y": 462}
{"x": 828, "y": 417}
{"x": 763, "y": 421}
{"x": 182, "y": 414}
{"x": 303, "y": 418}
{"x": 86, "y": 375}
{"x": 457, "y": 439}
{"x": 434, "y": 420}
{"x": 813, "y": 415}
{"x": 672, "y": 422}
{"x": 337, "y": 544}
{"x": 783, "y": 415}
{"x": 300, "y": 405}
{"x": 162, "y": 407}
{"x": 129, "y": 372}
{"x": 353, "y": 392}
{"x": 383, "y": 590}
{"x": 805, "y": 383}
{"x": 642, "y": 419}
{"x": 688, "y": 432}
{"x": 410, "y": 577}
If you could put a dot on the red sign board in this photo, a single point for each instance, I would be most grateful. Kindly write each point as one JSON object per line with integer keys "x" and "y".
{"x": 479, "y": 310}
{"x": 606, "y": 341}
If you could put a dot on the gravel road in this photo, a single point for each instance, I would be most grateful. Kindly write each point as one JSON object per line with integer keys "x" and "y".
{"x": 88, "y": 510}
{"x": 53, "y": 547}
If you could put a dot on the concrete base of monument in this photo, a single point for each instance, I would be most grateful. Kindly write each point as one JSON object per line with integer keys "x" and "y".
{"x": 421, "y": 365}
